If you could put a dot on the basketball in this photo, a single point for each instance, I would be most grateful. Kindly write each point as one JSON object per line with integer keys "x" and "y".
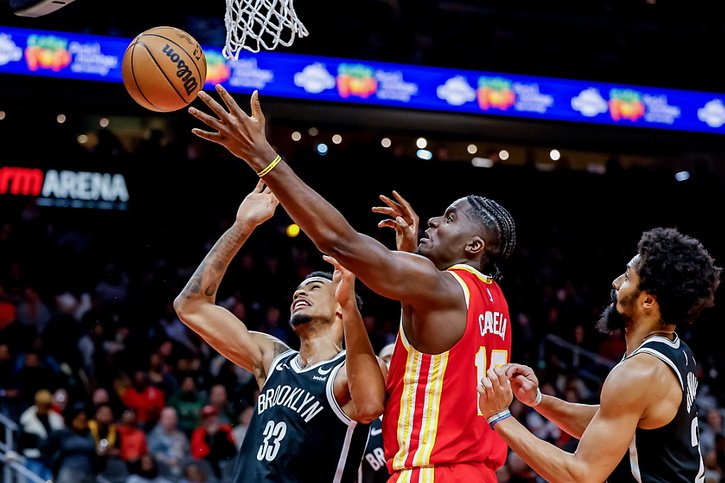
{"x": 163, "y": 69}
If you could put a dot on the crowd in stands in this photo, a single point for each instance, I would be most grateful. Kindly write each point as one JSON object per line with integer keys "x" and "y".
{"x": 102, "y": 378}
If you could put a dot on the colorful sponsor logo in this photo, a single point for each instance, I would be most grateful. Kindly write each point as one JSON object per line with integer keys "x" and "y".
{"x": 625, "y": 104}
{"x": 217, "y": 70}
{"x": 356, "y": 80}
{"x": 47, "y": 52}
{"x": 495, "y": 93}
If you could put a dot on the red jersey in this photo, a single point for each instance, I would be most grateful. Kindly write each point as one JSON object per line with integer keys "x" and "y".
{"x": 431, "y": 415}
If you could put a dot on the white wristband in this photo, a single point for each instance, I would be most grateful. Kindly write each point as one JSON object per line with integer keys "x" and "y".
{"x": 538, "y": 398}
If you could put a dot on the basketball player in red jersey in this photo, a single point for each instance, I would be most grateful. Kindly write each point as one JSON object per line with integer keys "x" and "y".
{"x": 455, "y": 319}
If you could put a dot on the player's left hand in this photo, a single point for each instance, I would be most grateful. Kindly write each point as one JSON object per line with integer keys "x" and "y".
{"x": 494, "y": 391}
{"x": 344, "y": 282}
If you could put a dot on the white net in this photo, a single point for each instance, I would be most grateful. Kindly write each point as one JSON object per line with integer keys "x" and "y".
{"x": 260, "y": 24}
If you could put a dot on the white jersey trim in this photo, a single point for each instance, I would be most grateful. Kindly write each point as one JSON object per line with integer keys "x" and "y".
{"x": 273, "y": 365}
{"x": 634, "y": 459}
{"x": 675, "y": 344}
{"x": 350, "y": 423}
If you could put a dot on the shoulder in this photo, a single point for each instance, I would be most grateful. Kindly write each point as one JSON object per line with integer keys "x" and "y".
{"x": 634, "y": 381}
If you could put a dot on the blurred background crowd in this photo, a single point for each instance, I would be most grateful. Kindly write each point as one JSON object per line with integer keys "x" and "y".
{"x": 89, "y": 340}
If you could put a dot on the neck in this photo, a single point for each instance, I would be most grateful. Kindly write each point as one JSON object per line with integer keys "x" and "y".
{"x": 635, "y": 336}
{"x": 319, "y": 347}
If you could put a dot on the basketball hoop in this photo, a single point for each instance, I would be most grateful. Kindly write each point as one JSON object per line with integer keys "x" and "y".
{"x": 260, "y": 24}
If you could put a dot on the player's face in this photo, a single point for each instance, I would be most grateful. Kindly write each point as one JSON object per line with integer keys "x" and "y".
{"x": 447, "y": 235}
{"x": 620, "y": 312}
{"x": 313, "y": 299}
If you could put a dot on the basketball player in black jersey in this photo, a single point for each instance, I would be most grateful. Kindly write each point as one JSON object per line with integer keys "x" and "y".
{"x": 312, "y": 417}
{"x": 373, "y": 469}
{"x": 645, "y": 428}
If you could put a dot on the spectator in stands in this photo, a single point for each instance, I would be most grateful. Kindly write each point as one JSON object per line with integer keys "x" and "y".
{"x": 168, "y": 444}
{"x": 72, "y": 450}
{"x": 134, "y": 443}
{"x": 9, "y": 392}
{"x": 105, "y": 433}
{"x": 146, "y": 400}
{"x": 240, "y": 430}
{"x": 188, "y": 401}
{"x": 194, "y": 473}
{"x": 35, "y": 374}
{"x": 146, "y": 470}
{"x": 212, "y": 441}
{"x": 32, "y": 314}
{"x": 219, "y": 399}
{"x": 36, "y": 424}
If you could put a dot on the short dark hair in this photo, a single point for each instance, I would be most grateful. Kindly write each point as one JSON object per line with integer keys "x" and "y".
{"x": 500, "y": 236}
{"x": 679, "y": 271}
{"x": 328, "y": 276}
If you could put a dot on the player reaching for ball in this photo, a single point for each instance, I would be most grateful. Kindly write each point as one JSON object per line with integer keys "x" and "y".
{"x": 455, "y": 317}
{"x": 312, "y": 417}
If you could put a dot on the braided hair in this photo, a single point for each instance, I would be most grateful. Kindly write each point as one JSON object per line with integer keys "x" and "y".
{"x": 679, "y": 271}
{"x": 500, "y": 232}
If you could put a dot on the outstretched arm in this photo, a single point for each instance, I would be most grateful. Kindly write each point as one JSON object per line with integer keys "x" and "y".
{"x": 397, "y": 275}
{"x": 196, "y": 304}
{"x": 360, "y": 386}
{"x": 569, "y": 417}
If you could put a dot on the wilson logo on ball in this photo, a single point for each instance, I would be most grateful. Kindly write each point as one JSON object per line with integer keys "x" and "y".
{"x": 183, "y": 71}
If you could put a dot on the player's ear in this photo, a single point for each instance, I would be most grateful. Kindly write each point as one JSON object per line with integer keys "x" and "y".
{"x": 475, "y": 245}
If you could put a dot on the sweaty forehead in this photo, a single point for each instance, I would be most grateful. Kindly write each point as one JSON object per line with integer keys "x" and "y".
{"x": 311, "y": 280}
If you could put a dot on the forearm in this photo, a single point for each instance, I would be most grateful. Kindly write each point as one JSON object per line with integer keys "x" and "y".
{"x": 552, "y": 463}
{"x": 365, "y": 377}
{"x": 319, "y": 219}
{"x": 204, "y": 283}
{"x": 572, "y": 418}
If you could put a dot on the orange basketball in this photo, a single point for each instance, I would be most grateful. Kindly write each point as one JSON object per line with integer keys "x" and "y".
{"x": 163, "y": 69}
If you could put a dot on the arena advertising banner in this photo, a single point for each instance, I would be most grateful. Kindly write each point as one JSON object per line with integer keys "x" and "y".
{"x": 65, "y": 188}
{"x": 98, "y": 58}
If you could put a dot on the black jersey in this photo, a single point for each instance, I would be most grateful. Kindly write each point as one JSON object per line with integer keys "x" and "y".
{"x": 373, "y": 469}
{"x": 299, "y": 433}
{"x": 671, "y": 453}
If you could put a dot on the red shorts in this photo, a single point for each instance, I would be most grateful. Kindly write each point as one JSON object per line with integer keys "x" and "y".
{"x": 458, "y": 473}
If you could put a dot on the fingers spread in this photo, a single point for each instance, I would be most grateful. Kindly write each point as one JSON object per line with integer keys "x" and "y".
{"x": 210, "y": 121}
{"x": 209, "y": 136}
{"x": 214, "y": 105}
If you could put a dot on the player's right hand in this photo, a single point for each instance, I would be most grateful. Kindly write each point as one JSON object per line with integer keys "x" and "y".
{"x": 403, "y": 220}
{"x": 523, "y": 382}
{"x": 258, "y": 206}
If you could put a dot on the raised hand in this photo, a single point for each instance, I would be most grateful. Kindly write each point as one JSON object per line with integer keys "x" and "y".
{"x": 344, "y": 281}
{"x": 243, "y": 135}
{"x": 258, "y": 206}
{"x": 402, "y": 218}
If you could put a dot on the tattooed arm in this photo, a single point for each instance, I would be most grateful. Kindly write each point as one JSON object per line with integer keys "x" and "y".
{"x": 196, "y": 304}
